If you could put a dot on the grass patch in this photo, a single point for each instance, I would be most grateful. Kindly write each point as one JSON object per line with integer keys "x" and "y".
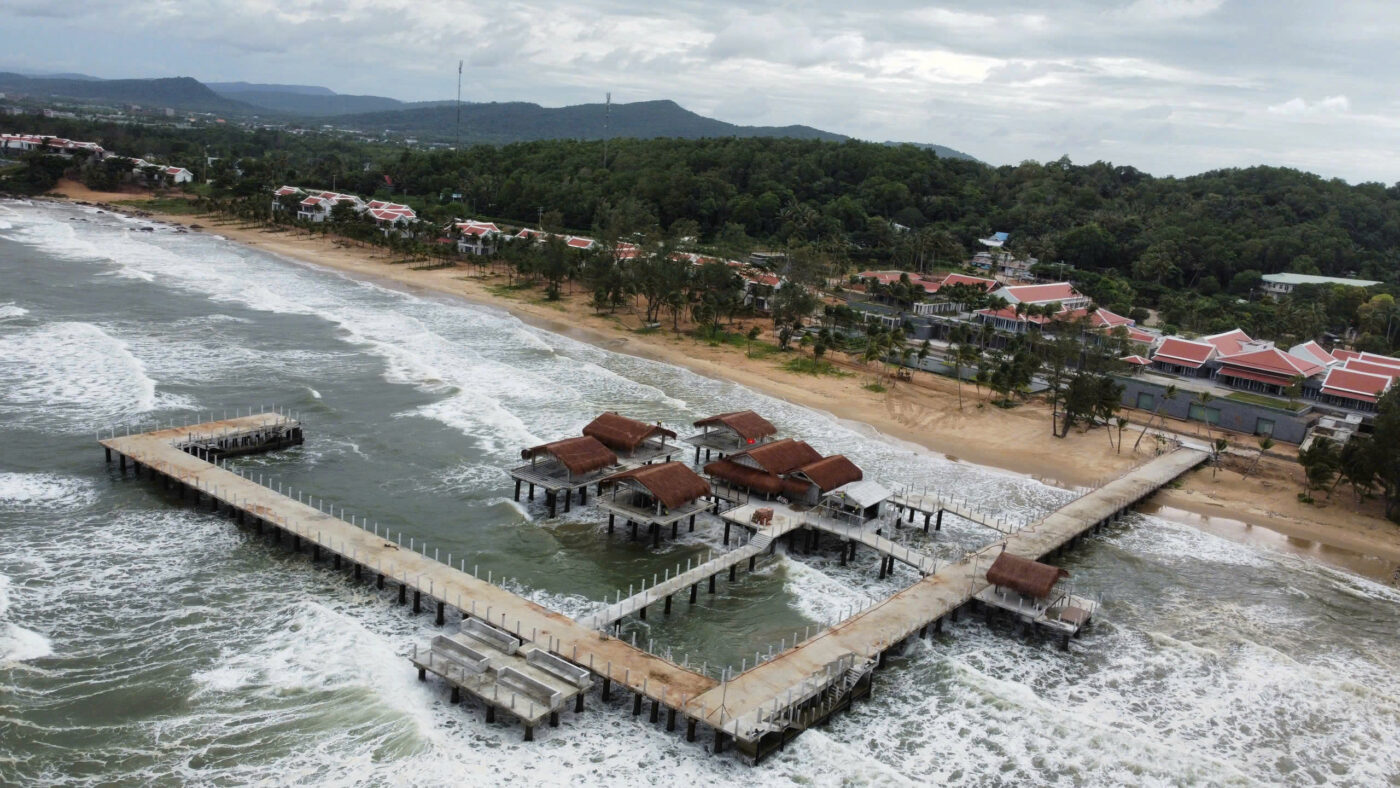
{"x": 510, "y": 291}
{"x": 1265, "y": 400}
{"x": 875, "y": 386}
{"x": 171, "y": 205}
{"x": 803, "y": 365}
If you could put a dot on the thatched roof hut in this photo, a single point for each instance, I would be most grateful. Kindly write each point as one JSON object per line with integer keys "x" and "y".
{"x": 671, "y": 483}
{"x": 578, "y": 455}
{"x": 1024, "y": 576}
{"x": 745, "y": 476}
{"x": 620, "y": 433}
{"x": 749, "y": 426}
{"x": 779, "y": 457}
{"x": 828, "y": 473}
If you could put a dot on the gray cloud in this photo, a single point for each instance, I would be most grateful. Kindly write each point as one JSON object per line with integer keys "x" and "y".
{"x": 1169, "y": 86}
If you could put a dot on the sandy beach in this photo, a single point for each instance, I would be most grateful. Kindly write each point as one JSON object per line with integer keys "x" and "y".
{"x": 1262, "y": 507}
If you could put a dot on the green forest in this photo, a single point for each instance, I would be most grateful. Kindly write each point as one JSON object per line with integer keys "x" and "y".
{"x": 1191, "y": 248}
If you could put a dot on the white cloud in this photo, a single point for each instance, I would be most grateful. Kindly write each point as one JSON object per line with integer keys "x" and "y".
{"x": 1168, "y": 10}
{"x": 1297, "y": 107}
{"x": 1168, "y": 86}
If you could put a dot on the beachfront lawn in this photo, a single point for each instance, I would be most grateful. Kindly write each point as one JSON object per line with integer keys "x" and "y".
{"x": 1265, "y": 400}
{"x": 804, "y": 365}
{"x": 170, "y": 205}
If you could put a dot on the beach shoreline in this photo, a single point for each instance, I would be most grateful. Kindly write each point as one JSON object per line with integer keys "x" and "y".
{"x": 923, "y": 414}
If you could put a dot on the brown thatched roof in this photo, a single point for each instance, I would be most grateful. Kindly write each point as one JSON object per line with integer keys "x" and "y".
{"x": 745, "y": 423}
{"x": 579, "y": 455}
{"x": 831, "y": 472}
{"x": 1023, "y": 575}
{"x": 620, "y": 433}
{"x": 782, "y": 456}
{"x": 744, "y": 476}
{"x": 672, "y": 483}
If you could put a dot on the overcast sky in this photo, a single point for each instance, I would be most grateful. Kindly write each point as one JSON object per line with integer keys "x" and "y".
{"x": 1168, "y": 86}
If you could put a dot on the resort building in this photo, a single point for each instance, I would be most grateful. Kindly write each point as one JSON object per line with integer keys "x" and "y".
{"x": 1270, "y": 371}
{"x": 1184, "y": 357}
{"x": 1354, "y": 389}
{"x": 1283, "y": 284}
{"x": 390, "y": 215}
{"x": 1010, "y": 320}
{"x": 476, "y": 237}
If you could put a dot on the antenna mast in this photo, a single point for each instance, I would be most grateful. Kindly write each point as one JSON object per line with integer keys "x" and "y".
{"x": 458, "y": 145}
{"x": 607, "y": 118}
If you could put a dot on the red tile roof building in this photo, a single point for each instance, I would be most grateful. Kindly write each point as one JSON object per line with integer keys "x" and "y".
{"x": 1270, "y": 370}
{"x": 1354, "y": 389}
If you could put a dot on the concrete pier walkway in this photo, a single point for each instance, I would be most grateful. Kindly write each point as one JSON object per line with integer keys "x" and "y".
{"x": 758, "y": 706}
{"x": 429, "y": 581}
{"x": 758, "y": 709}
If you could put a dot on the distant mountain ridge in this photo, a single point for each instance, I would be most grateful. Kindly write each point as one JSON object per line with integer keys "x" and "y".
{"x": 238, "y": 88}
{"x": 499, "y": 122}
{"x": 180, "y": 92}
{"x": 494, "y": 122}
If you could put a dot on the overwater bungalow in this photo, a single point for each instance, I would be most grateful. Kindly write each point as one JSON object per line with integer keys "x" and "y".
{"x": 1027, "y": 589}
{"x": 654, "y": 496}
{"x": 635, "y": 442}
{"x": 807, "y": 484}
{"x": 727, "y": 433}
{"x": 760, "y": 470}
{"x": 563, "y": 466}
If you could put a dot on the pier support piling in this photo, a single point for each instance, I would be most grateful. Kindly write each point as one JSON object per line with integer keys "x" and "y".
{"x": 637, "y": 704}
{"x": 441, "y": 609}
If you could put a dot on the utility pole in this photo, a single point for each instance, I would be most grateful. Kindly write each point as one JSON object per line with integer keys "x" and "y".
{"x": 607, "y": 122}
{"x": 458, "y": 144}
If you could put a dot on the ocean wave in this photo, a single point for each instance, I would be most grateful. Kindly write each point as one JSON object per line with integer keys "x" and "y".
{"x": 44, "y": 491}
{"x": 75, "y": 372}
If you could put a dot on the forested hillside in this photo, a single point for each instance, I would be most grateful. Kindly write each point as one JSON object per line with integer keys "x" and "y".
{"x": 1192, "y": 248}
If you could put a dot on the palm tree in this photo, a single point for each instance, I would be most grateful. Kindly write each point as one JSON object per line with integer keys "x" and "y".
{"x": 1169, "y": 394}
{"x": 1266, "y": 442}
{"x": 1203, "y": 399}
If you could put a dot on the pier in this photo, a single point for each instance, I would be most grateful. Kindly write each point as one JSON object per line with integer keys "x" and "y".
{"x": 519, "y": 658}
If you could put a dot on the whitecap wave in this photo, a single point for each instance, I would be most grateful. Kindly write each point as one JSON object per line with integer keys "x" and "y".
{"x": 74, "y": 372}
{"x": 44, "y": 491}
